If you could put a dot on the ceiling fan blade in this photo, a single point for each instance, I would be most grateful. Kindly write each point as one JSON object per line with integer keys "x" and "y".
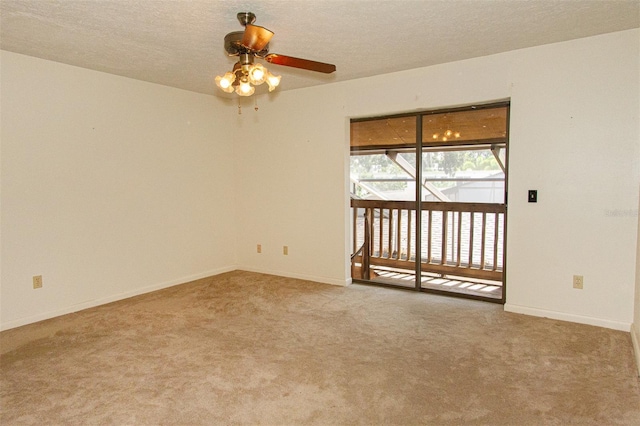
{"x": 305, "y": 64}
{"x": 255, "y": 37}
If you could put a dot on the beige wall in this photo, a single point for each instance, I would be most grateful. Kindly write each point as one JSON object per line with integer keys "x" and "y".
{"x": 110, "y": 187}
{"x": 635, "y": 329}
{"x": 575, "y": 133}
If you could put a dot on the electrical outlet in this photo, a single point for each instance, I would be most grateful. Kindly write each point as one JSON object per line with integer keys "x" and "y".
{"x": 578, "y": 281}
{"x": 285, "y": 250}
{"x": 259, "y": 248}
{"x": 37, "y": 281}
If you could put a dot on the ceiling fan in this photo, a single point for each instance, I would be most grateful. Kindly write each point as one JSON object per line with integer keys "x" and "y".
{"x": 253, "y": 43}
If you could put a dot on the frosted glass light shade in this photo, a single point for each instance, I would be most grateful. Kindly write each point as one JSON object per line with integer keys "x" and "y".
{"x": 245, "y": 88}
{"x": 257, "y": 74}
{"x": 273, "y": 81}
{"x": 225, "y": 82}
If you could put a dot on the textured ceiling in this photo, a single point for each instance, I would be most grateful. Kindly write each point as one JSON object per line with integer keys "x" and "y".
{"x": 180, "y": 43}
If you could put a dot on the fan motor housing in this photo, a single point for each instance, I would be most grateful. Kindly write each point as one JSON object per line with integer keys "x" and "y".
{"x": 233, "y": 47}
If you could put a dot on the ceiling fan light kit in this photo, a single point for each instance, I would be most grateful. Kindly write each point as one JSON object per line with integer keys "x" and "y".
{"x": 253, "y": 43}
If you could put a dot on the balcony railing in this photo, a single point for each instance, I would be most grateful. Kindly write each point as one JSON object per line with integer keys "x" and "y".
{"x": 459, "y": 239}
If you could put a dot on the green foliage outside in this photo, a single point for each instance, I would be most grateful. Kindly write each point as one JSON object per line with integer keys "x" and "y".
{"x": 377, "y": 166}
{"x": 435, "y": 164}
{"x": 453, "y": 162}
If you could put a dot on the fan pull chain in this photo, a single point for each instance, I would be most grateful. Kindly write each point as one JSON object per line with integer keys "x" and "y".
{"x": 240, "y": 106}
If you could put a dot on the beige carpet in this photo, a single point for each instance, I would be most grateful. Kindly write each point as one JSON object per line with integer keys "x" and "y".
{"x": 246, "y": 348}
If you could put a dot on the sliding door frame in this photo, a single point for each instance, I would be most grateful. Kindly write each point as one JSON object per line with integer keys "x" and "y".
{"x": 419, "y": 146}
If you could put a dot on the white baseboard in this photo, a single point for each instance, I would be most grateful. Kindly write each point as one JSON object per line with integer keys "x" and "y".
{"x": 635, "y": 340}
{"x": 121, "y": 296}
{"x": 324, "y": 280}
{"x": 580, "y": 319}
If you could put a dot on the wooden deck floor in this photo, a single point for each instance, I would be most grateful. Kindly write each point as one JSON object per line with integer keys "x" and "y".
{"x": 460, "y": 285}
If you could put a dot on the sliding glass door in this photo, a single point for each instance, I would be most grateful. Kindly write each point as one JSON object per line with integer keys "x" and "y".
{"x": 440, "y": 175}
{"x": 383, "y": 188}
